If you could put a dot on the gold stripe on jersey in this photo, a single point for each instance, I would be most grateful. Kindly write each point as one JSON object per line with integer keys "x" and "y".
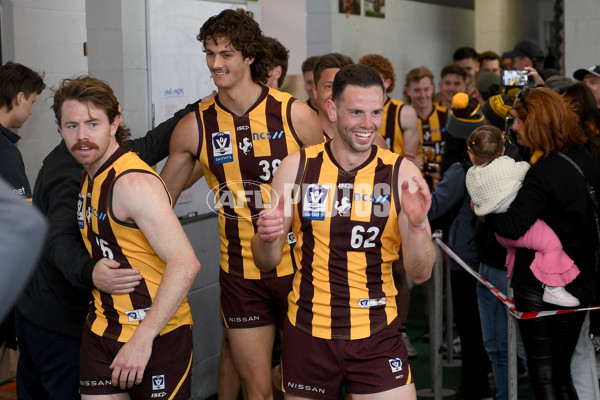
{"x": 116, "y": 316}
{"x": 240, "y": 176}
{"x": 391, "y": 127}
{"x": 346, "y": 228}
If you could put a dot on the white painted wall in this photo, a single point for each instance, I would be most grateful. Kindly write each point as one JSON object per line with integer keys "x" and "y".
{"x": 286, "y": 20}
{"x": 582, "y": 30}
{"x": 116, "y": 33}
{"x": 499, "y": 25}
{"x": 319, "y": 26}
{"x": 412, "y": 34}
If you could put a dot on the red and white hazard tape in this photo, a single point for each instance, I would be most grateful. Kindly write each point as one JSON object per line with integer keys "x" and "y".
{"x": 510, "y": 305}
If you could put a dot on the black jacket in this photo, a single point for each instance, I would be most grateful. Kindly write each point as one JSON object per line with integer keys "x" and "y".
{"x": 12, "y": 168}
{"x": 58, "y": 294}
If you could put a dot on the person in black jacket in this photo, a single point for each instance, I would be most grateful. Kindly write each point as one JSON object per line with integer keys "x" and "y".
{"x": 19, "y": 87}
{"x": 52, "y": 310}
{"x": 555, "y": 191}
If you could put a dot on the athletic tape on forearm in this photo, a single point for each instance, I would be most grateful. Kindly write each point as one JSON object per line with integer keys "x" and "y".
{"x": 510, "y": 305}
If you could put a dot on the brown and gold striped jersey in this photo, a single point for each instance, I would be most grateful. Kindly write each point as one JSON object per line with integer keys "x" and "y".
{"x": 346, "y": 227}
{"x": 116, "y": 316}
{"x": 391, "y": 127}
{"x": 432, "y": 132}
{"x": 239, "y": 156}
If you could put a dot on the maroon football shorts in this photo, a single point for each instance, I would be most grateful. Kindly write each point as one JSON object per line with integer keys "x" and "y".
{"x": 167, "y": 374}
{"x": 315, "y": 367}
{"x": 250, "y": 303}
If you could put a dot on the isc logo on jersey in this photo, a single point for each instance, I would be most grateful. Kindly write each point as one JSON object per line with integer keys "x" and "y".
{"x": 267, "y": 135}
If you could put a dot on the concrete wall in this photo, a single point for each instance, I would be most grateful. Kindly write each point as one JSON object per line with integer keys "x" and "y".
{"x": 412, "y": 34}
{"x": 116, "y": 32}
{"x": 286, "y": 20}
{"x": 499, "y": 25}
{"x": 582, "y": 30}
{"x": 204, "y": 301}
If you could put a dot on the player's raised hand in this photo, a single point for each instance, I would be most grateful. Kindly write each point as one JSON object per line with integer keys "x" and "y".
{"x": 416, "y": 204}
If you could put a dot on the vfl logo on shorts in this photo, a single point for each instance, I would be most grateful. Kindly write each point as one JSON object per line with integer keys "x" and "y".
{"x": 395, "y": 364}
{"x": 291, "y": 239}
{"x": 137, "y": 315}
{"x": 158, "y": 382}
{"x": 368, "y": 303}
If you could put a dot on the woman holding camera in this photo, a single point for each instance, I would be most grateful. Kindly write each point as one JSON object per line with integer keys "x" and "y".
{"x": 555, "y": 191}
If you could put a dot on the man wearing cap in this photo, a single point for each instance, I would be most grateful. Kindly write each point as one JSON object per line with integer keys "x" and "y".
{"x": 527, "y": 54}
{"x": 590, "y": 77}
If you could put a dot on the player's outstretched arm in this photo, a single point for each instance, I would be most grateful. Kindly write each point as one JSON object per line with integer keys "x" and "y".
{"x": 274, "y": 223}
{"x": 410, "y": 130}
{"x": 417, "y": 246}
{"x": 142, "y": 199}
{"x": 181, "y": 161}
{"x": 306, "y": 123}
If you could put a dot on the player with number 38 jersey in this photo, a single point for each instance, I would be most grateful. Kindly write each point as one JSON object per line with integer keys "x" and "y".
{"x": 239, "y": 154}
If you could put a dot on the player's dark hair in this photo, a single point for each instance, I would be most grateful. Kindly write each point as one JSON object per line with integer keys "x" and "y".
{"x": 454, "y": 70}
{"x": 355, "y": 75}
{"x": 15, "y": 78}
{"x": 465, "y": 52}
{"x": 90, "y": 91}
{"x": 244, "y": 34}
{"x": 280, "y": 57}
{"x": 331, "y": 60}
